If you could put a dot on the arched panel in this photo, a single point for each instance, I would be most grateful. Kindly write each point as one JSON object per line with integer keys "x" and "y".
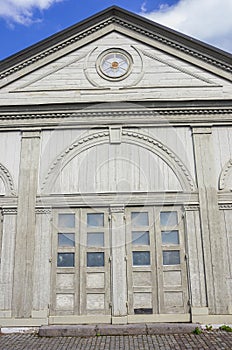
{"x": 116, "y": 168}
{"x": 139, "y": 162}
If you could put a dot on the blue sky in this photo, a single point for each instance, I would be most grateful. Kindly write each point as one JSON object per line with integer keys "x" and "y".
{"x": 25, "y": 22}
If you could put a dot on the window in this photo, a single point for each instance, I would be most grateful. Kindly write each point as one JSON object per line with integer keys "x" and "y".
{"x": 95, "y": 239}
{"x": 140, "y": 238}
{"x": 168, "y": 218}
{"x": 170, "y": 237}
{"x": 171, "y": 257}
{"x": 66, "y": 239}
{"x": 95, "y": 259}
{"x": 139, "y": 219}
{"x": 141, "y": 258}
{"x": 66, "y": 220}
{"x": 65, "y": 260}
{"x": 95, "y": 220}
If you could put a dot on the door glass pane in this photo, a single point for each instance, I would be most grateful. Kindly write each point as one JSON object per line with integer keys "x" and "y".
{"x": 95, "y": 220}
{"x": 95, "y": 259}
{"x": 65, "y": 260}
{"x": 140, "y": 238}
{"x": 139, "y": 219}
{"x": 66, "y": 220}
{"x": 95, "y": 239}
{"x": 141, "y": 258}
{"x": 66, "y": 239}
{"x": 171, "y": 257}
{"x": 168, "y": 218}
{"x": 170, "y": 237}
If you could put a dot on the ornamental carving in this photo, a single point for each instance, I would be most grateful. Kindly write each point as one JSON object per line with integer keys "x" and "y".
{"x": 7, "y": 180}
{"x": 43, "y": 210}
{"x": 225, "y": 206}
{"x": 9, "y": 211}
{"x": 108, "y": 114}
{"x": 225, "y": 174}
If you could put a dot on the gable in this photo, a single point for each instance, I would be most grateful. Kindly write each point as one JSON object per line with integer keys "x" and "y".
{"x": 68, "y": 71}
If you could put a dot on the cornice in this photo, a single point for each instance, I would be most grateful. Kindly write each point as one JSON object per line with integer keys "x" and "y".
{"x": 125, "y": 24}
{"x": 115, "y": 113}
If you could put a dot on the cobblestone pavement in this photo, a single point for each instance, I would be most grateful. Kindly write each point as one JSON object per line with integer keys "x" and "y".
{"x": 206, "y": 340}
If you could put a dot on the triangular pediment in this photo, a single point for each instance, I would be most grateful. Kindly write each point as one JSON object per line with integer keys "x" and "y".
{"x": 163, "y": 64}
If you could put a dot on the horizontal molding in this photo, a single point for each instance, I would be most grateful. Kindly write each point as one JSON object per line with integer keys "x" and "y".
{"x": 116, "y": 113}
{"x": 161, "y": 117}
{"x": 43, "y": 210}
{"x": 9, "y": 211}
{"x": 116, "y": 199}
{"x": 225, "y": 206}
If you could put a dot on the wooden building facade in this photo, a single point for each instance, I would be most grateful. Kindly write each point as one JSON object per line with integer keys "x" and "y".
{"x": 116, "y": 177}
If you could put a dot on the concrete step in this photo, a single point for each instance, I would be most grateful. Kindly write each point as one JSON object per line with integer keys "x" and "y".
{"x": 108, "y": 329}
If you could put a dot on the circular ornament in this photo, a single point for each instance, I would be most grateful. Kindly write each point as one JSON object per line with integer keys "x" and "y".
{"x": 114, "y": 64}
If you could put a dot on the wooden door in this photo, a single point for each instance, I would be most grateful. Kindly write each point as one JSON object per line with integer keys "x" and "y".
{"x": 80, "y": 263}
{"x": 156, "y": 269}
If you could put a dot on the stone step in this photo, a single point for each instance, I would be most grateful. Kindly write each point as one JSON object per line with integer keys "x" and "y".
{"x": 108, "y": 329}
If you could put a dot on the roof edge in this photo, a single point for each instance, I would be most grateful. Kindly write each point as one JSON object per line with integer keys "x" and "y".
{"x": 124, "y": 15}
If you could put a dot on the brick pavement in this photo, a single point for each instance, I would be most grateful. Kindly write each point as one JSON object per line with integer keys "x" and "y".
{"x": 216, "y": 340}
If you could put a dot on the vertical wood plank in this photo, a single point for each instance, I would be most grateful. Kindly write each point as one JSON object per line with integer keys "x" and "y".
{"x": 42, "y": 265}
{"x": 119, "y": 292}
{"x": 7, "y": 258}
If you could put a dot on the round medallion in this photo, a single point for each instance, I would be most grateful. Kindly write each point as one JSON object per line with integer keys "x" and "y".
{"x": 114, "y": 64}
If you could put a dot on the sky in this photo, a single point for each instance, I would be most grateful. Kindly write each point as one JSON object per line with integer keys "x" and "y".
{"x": 25, "y": 22}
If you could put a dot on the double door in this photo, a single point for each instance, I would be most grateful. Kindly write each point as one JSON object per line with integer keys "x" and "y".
{"x": 118, "y": 265}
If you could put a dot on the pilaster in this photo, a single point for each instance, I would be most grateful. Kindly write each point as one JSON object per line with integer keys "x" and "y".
{"x": 25, "y": 233}
{"x": 212, "y": 235}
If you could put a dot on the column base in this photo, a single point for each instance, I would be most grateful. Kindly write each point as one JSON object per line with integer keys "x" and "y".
{"x": 119, "y": 320}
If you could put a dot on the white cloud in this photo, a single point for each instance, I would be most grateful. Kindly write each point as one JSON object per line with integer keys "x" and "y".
{"x": 22, "y": 11}
{"x": 206, "y": 20}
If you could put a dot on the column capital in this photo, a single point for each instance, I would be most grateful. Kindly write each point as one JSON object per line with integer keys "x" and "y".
{"x": 201, "y": 129}
{"x": 30, "y": 133}
{"x": 117, "y": 208}
{"x": 9, "y": 211}
{"x": 191, "y": 207}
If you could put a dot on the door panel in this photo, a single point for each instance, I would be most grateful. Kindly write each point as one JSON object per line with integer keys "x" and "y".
{"x": 80, "y": 264}
{"x": 142, "y": 289}
{"x": 172, "y": 277}
{"x": 95, "y": 263}
{"x": 156, "y": 270}
{"x": 65, "y": 263}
